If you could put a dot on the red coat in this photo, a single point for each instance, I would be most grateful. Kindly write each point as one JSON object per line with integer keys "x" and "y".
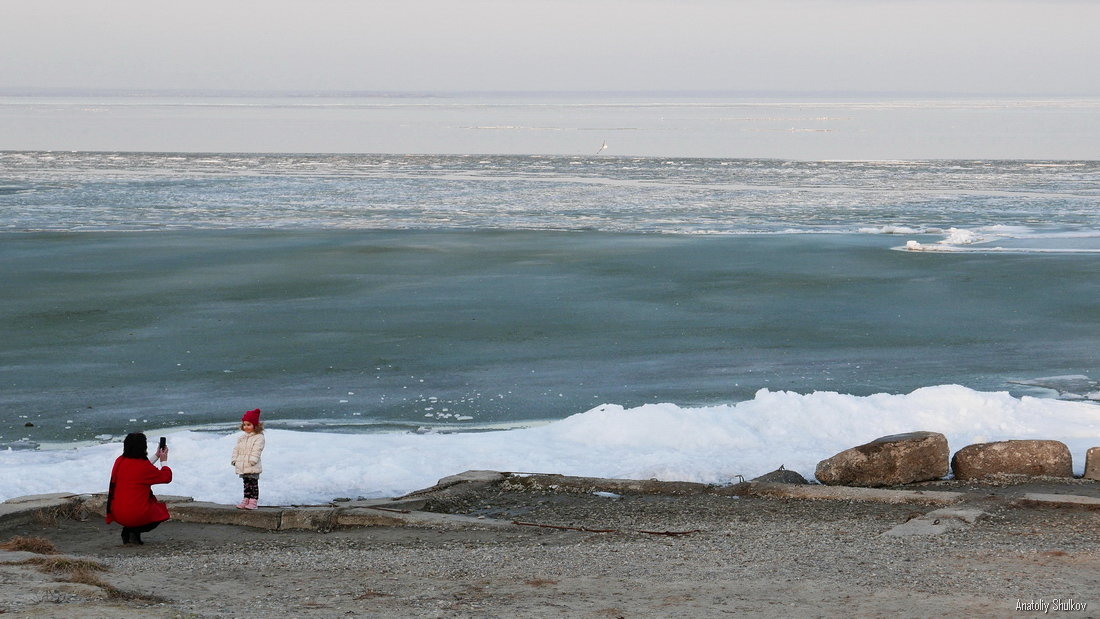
{"x": 130, "y": 501}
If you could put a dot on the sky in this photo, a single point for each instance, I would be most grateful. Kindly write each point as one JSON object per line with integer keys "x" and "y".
{"x": 1001, "y": 47}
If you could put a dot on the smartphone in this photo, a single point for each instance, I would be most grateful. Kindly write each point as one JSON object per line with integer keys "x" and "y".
{"x": 163, "y": 443}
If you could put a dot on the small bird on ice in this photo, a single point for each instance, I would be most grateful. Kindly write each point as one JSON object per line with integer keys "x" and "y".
{"x": 601, "y": 148}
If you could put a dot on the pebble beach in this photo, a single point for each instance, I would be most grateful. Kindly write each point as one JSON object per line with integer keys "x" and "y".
{"x": 601, "y": 555}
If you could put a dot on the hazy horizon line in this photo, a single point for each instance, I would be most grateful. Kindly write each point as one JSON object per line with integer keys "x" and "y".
{"x": 445, "y": 94}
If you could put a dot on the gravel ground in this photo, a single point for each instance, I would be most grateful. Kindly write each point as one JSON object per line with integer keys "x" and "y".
{"x": 746, "y": 556}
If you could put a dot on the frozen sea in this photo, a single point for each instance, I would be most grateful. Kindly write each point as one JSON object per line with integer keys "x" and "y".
{"x": 402, "y": 317}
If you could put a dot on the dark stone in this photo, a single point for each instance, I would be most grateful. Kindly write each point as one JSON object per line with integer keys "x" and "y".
{"x": 782, "y": 476}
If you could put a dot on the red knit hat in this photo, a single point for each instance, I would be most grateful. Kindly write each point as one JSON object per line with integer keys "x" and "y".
{"x": 252, "y": 416}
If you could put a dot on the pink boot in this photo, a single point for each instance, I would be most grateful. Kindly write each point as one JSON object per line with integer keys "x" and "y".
{"x": 251, "y": 504}
{"x": 243, "y": 504}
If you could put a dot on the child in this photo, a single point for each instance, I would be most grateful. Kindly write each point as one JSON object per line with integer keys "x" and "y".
{"x": 246, "y": 457}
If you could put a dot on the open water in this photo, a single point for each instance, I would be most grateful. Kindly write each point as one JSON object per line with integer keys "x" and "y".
{"x": 373, "y": 293}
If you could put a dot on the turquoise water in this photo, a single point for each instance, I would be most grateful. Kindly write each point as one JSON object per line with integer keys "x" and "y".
{"x": 346, "y": 293}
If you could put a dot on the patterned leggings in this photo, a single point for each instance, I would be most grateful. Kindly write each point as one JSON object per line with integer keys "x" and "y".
{"x": 251, "y": 486}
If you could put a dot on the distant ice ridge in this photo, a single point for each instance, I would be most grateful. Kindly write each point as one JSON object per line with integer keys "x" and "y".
{"x": 707, "y": 444}
{"x": 1017, "y": 239}
{"x": 1068, "y": 387}
{"x": 891, "y": 229}
{"x": 955, "y": 237}
{"x": 102, "y": 191}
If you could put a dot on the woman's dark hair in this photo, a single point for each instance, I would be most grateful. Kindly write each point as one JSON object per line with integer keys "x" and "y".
{"x": 135, "y": 445}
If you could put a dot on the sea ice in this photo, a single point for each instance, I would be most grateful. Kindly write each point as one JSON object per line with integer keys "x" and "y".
{"x": 712, "y": 444}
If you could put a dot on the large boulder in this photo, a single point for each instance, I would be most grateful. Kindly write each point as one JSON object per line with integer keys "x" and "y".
{"x": 1092, "y": 464}
{"x": 888, "y": 461}
{"x": 1030, "y": 458}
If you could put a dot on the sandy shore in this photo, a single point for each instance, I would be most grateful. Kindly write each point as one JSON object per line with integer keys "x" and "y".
{"x": 736, "y": 556}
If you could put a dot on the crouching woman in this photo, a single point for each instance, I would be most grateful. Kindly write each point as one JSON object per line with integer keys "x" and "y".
{"x": 130, "y": 500}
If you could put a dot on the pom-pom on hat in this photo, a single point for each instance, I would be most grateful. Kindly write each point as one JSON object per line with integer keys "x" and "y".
{"x": 252, "y": 416}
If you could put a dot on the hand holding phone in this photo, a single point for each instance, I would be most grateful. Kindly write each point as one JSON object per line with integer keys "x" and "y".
{"x": 162, "y": 450}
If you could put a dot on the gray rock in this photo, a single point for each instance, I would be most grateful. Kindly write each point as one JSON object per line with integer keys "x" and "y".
{"x": 888, "y": 461}
{"x": 782, "y": 476}
{"x": 937, "y": 522}
{"x": 1092, "y": 464}
{"x": 1029, "y": 458}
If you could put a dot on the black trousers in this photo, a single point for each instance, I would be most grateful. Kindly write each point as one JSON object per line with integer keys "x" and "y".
{"x": 145, "y": 528}
{"x": 251, "y": 486}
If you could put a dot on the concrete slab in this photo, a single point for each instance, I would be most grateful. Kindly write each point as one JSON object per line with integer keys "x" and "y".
{"x": 460, "y": 483}
{"x": 406, "y": 511}
{"x": 31, "y": 498}
{"x": 367, "y": 517}
{"x": 370, "y": 517}
{"x": 543, "y": 482}
{"x": 171, "y": 499}
{"x": 454, "y": 521}
{"x": 401, "y": 504}
{"x": 1071, "y": 501}
{"x": 25, "y": 512}
{"x": 586, "y": 485}
{"x": 97, "y": 503}
{"x": 311, "y": 518}
{"x": 846, "y": 493}
{"x": 214, "y": 513}
{"x": 94, "y": 503}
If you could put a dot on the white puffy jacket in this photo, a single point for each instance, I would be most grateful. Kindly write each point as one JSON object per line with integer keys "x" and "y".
{"x": 246, "y": 455}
